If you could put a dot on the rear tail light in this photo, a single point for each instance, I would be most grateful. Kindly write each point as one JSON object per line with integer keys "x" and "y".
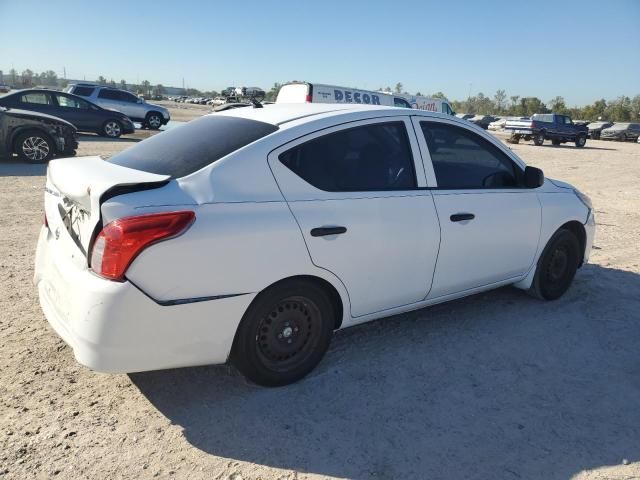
{"x": 122, "y": 240}
{"x": 308, "y": 98}
{"x": 533, "y": 125}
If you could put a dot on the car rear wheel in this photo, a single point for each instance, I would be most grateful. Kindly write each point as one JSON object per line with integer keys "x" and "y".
{"x": 538, "y": 139}
{"x": 34, "y": 147}
{"x": 557, "y": 266}
{"x": 154, "y": 121}
{"x": 284, "y": 334}
{"x": 112, "y": 129}
{"x": 581, "y": 140}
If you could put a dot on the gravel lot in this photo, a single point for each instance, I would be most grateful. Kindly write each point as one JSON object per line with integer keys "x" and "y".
{"x": 498, "y": 385}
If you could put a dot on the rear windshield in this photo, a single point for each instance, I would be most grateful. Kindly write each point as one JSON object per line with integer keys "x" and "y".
{"x": 188, "y": 148}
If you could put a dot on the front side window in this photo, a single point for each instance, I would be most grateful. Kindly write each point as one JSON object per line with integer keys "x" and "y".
{"x": 39, "y": 98}
{"x": 128, "y": 97}
{"x": 70, "y": 102}
{"x": 462, "y": 159}
{"x": 367, "y": 158}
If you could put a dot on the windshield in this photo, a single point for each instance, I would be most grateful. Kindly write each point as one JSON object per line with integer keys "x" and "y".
{"x": 188, "y": 148}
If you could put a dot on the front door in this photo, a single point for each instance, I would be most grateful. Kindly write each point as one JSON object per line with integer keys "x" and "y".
{"x": 355, "y": 193}
{"x": 490, "y": 223}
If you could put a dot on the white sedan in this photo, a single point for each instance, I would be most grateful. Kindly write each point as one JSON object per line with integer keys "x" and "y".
{"x": 251, "y": 235}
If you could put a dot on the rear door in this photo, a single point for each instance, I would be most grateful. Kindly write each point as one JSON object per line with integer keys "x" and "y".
{"x": 490, "y": 223}
{"x": 38, "y": 102}
{"x": 357, "y": 193}
{"x": 77, "y": 111}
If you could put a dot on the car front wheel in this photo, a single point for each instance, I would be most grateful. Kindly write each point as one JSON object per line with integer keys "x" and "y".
{"x": 34, "y": 147}
{"x": 112, "y": 129}
{"x": 284, "y": 334}
{"x": 154, "y": 121}
{"x": 538, "y": 139}
{"x": 581, "y": 140}
{"x": 557, "y": 266}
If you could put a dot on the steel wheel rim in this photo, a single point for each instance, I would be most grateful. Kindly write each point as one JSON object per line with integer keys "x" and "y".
{"x": 35, "y": 148}
{"x": 112, "y": 129}
{"x": 288, "y": 335}
{"x": 154, "y": 121}
{"x": 558, "y": 265}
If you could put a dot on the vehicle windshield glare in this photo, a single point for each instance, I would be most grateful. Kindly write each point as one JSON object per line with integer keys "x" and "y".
{"x": 188, "y": 148}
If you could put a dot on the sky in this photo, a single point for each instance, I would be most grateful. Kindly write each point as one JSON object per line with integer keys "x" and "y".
{"x": 582, "y": 50}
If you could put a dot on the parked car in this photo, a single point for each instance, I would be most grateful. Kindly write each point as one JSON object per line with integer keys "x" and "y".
{"x": 483, "y": 121}
{"x": 35, "y": 137}
{"x": 4, "y": 88}
{"x": 217, "y": 101}
{"x": 547, "y": 126}
{"x": 150, "y": 115}
{"x": 252, "y": 234}
{"x": 84, "y": 115}
{"x": 595, "y": 129}
{"x": 497, "y": 124}
{"x": 621, "y": 132}
{"x": 465, "y": 116}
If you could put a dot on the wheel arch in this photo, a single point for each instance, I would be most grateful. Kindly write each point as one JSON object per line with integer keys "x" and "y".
{"x": 579, "y": 231}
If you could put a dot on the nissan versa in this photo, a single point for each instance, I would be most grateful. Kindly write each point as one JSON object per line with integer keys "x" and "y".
{"x": 252, "y": 234}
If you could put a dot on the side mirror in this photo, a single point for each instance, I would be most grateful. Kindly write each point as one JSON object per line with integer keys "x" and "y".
{"x": 533, "y": 177}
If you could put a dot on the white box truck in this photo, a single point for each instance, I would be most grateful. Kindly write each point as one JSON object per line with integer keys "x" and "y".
{"x": 304, "y": 92}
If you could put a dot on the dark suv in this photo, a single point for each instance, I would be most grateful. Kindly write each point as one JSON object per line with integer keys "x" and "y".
{"x": 35, "y": 137}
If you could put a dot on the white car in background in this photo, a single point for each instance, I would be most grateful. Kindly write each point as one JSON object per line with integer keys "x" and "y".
{"x": 252, "y": 234}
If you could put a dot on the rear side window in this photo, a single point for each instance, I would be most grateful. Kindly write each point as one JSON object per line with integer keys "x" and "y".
{"x": 367, "y": 158}
{"x": 109, "y": 94}
{"x": 462, "y": 159}
{"x": 188, "y": 148}
{"x": 83, "y": 91}
{"x": 40, "y": 98}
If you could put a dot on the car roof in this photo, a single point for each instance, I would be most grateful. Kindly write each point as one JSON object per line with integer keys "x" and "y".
{"x": 282, "y": 113}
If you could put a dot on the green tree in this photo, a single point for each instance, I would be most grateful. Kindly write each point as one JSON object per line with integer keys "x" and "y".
{"x": 159, "y": 90}
{"x": 27, "y": 78}
{"x": 557, "y": 105}
{"x": 398, "y": 88}
{"x": 439, "y": 94}
{"x": 273, "y": 92}
{"x": 146, "y": 88}
{"x": 101, "y": 80}
{"x": 500, "y": 101}
{"x": 13, "y": 74}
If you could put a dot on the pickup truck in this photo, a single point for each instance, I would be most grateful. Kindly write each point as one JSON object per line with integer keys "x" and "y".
{"x": 547, "y": 126}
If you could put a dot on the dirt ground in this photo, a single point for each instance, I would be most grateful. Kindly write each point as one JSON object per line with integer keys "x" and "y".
{"x": 495, "y": 386}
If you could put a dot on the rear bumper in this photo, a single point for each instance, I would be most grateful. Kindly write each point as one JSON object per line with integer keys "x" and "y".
{"x": 114, "y": 327}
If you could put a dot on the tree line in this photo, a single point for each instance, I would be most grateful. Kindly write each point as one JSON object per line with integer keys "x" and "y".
{"x": 621, "y": 109}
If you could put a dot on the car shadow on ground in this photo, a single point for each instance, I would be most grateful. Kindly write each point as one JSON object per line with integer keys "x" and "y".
{"x": 13, "y": 167}
{"x": 98, "y": 138}
{"x": 498, "y": 385}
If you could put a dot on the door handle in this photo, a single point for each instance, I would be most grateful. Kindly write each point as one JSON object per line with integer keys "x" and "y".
{"x": 459, "y": 217}
{"x": 323, "y": 231}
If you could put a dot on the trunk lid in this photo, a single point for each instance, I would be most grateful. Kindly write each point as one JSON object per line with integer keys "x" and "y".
{"x": 75, "y": 190}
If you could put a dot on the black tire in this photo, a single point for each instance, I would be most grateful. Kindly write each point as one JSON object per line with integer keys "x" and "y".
{"x": 153, "y": 120}
{"x": 581, "y": 141}
{"x": 111, "y": 129}
{"x": 557, "y": 266}
{"x": 555, "y": 142}
{"x": 34, "y": 146}
{"x": 284, "y": 333}
{"x": 538, "y": 139}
